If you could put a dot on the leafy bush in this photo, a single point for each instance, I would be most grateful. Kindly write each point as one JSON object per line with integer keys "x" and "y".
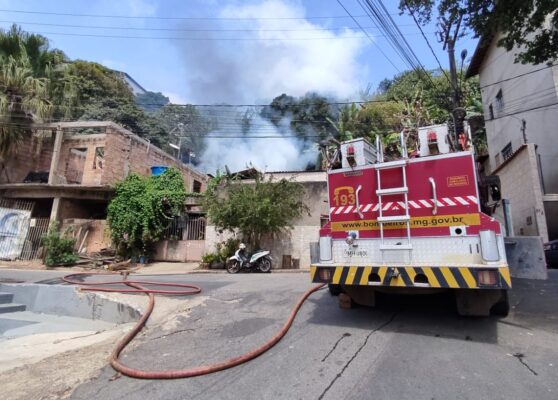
{"x": 223, "y": 251}
{"x": 142, "y": 209}
{"x": 59, "y": 248}
{"x": 227, "y": 248}
{"x": 211, "y": 257}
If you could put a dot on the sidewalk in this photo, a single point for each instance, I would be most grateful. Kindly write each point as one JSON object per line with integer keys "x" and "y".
{"x": 162, "y": 268}
{"x": 156, "y": 268}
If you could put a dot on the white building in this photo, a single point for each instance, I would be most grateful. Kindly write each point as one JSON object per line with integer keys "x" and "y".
{"x": 521, "y": 113}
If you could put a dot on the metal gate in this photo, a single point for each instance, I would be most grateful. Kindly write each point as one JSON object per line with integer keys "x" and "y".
{"x": 15, "y": 216}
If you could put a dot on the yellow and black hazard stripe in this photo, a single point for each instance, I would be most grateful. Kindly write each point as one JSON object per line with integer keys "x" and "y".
{"x": 408, "y": 276}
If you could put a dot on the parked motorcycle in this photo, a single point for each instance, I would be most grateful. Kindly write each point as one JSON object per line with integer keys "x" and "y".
{"x": 260, "y": 260}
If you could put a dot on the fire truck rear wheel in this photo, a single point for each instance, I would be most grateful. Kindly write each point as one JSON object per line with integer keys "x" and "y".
{"x": 334, "y": 290}
{"x": 481, "y": 302}
{"x": 502, "y": 308}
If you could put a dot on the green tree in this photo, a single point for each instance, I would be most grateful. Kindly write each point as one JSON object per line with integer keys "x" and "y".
{"x": 308, "y": 116}
{"x": 142, "y": 208}
{"x": 264, "y": 207}
{"x": 531, "y": 27}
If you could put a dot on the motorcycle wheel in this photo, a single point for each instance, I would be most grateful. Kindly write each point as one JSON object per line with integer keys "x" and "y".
{"x": 233, "y": 266}
{"x": 265, "y": 265}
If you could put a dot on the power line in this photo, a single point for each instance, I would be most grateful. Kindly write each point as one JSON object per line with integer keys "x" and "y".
{"x": 177, "y": 18}
{"x": 180, "y": 29}
{"x": 518, "y": 76}
{"x": 194, "y": 39}
{"x": 522, "y": 111}
{"x": 428, "y": 43}
{"x": 380, "y": 16}
{"x": 366, "y": 33}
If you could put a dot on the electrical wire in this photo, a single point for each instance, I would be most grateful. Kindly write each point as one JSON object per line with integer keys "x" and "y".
{"x": 429, "y": 45}
{"x": 518, "y": 76}
{"x": 522, "y": 111}
{"x": 381, "y": 18}
{"x": 367, "y": 35}
{"x": 195, "y": 39}
{"x": 182, "y": 29}
{"x": 174, "y": 17}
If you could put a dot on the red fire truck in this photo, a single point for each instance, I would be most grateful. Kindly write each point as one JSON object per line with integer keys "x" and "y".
{"x": 411, "y": 224}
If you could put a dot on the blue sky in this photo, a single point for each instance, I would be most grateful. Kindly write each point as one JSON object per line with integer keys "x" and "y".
{"x": 341, "y": 63}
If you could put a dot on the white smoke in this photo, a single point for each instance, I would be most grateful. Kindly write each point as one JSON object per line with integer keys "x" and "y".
{"x": 288, "y": 60}
{"x": 259, "y": 147}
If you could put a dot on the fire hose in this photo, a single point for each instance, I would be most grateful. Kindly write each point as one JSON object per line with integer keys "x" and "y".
{"x": 183, "y": 289}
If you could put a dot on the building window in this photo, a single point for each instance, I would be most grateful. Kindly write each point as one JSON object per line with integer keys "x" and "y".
{"x": 197, "y": 186}
{"x": 500, "y": 100}
{"x": 491, "y": 111}
{"x": 99, "y": 161}
{"x": 507, "y": 151}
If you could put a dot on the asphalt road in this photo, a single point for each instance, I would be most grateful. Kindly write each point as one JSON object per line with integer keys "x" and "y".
{"x": 410, "y": 347}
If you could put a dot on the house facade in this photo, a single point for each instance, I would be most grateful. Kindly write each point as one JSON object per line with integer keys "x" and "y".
{"x": 520, "y": 103}
{"x": 67, "y": 172}
{"x": 291, "y": 249}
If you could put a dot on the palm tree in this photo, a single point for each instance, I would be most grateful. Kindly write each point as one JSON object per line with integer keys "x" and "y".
{"x": 17, "y": 43}
{"x": 32, "y": 84}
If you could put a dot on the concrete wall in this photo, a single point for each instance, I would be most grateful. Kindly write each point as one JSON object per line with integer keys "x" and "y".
{"x": 521, "y": 185}
{"x": 295, "y": 242}
{"x": 179, "y": 250}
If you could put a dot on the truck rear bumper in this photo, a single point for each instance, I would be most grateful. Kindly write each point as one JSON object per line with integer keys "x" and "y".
{"x": 451, "y": 277}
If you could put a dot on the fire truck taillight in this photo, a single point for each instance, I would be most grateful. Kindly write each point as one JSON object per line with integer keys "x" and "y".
{"x": 324, "y": 274}
{"x": 487, "y": 277}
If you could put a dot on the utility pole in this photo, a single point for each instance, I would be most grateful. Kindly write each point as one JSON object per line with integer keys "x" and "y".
{"x": 448, "y": 33}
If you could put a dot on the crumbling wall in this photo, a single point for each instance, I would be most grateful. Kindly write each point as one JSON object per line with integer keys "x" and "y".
{"x": 125, "y": 154}
{"x": 72, "y": 168}
{"x": 32, "y": 154}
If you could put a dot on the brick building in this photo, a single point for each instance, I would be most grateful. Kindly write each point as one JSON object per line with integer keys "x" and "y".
{"x": 68, "y": 171}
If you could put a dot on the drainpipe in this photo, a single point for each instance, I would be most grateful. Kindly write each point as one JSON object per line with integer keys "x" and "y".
{"x": 507, "y": 217}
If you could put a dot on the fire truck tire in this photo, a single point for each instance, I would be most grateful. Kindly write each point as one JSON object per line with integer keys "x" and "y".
{"x": 334, "y": 290}
{"x": 361, "y": 295}
{"x": 502, "y": 308}
{"x": 481, "y": 302}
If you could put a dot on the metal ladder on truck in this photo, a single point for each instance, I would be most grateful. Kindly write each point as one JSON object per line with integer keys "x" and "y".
{"x": 403, "y": 190}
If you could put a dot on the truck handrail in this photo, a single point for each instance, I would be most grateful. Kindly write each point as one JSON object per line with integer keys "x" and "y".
{"x": 360, "y": 214}
{"x": 435, "y": 197}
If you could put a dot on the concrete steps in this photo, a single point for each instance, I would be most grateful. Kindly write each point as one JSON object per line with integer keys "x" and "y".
{"x": 6, "y": 305}
{"x": 6, "y": 297}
